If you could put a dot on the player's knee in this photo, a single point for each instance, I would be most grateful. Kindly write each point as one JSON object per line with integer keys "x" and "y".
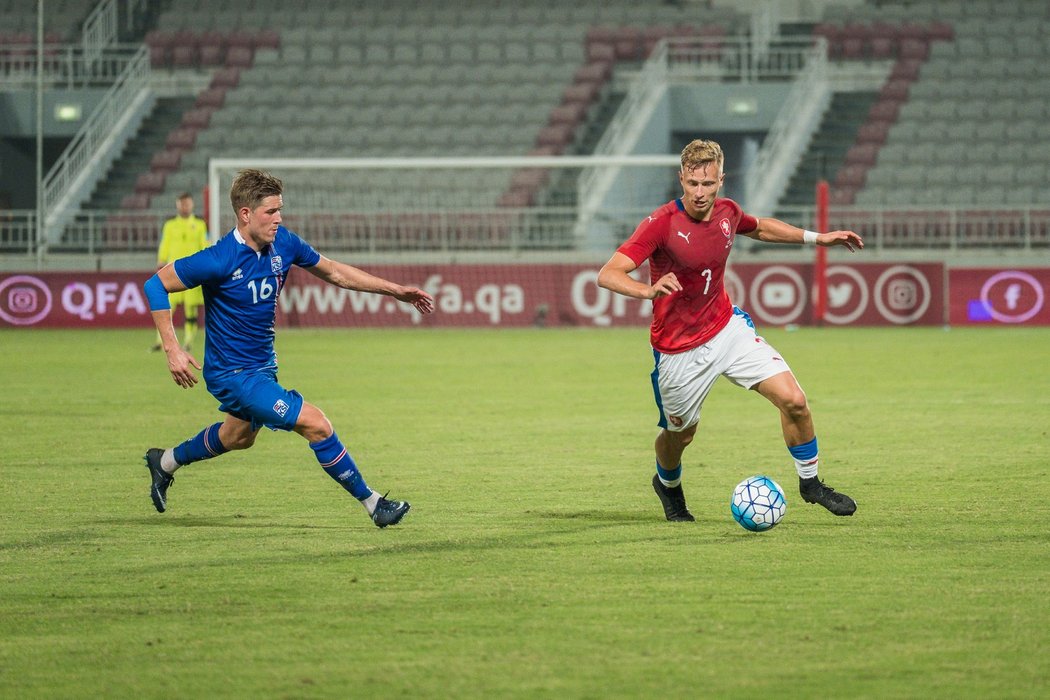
{"x": 795, "y": 405}
{"x": 682, "y": 437}
{"x": 313, "y": 424}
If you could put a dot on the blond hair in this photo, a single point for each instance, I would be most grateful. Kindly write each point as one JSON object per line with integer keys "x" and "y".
{"x": 700, "y": 152}
{"x": 251, "y": 187}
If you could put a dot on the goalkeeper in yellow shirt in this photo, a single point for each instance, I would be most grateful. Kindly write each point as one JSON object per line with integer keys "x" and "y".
{"x": 182, "y": 236}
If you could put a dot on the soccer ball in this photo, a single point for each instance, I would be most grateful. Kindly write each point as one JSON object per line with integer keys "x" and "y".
{"x": 758, "y": 503}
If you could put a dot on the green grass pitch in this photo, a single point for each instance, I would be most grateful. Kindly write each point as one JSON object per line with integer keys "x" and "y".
{"x": 535, "y": 561}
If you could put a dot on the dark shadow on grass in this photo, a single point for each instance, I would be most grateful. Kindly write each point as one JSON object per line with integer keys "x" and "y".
{"x": 226, "y": 521}
{"x": 365, "y": 541}
{"x": 82, "y": 534}
{"x": 596, "y": 515}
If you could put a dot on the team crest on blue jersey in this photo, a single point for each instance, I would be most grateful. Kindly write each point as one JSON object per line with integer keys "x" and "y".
{"x": 275, "y": 264}
{"x": 280, "y": 408}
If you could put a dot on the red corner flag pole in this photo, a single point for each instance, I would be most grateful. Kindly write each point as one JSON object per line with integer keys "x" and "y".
{"x": 206, "y": 197}
{"x": 820, "y": 264}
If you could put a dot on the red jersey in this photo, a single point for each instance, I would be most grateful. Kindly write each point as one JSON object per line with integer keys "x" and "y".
{"x": 696, "y": 251}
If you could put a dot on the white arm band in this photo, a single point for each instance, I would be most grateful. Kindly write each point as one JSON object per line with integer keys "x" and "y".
{"x": 809, "y": 236}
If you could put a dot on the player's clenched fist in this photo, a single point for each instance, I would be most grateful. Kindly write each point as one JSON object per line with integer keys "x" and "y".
{"x": 665, "y": 286}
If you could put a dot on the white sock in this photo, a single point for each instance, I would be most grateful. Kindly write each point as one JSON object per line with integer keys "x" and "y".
{"x": 806, "y": 469}
{"x": 167, "y": 461}
{"x": 371, "y": 502}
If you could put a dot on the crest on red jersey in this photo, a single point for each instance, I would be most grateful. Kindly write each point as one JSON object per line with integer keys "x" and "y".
{"x": 727, "y": 231}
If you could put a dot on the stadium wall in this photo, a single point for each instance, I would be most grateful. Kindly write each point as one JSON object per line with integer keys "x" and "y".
{"x": 565, "y": 295}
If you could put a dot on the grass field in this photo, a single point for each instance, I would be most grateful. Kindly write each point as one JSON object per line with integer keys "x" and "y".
{"x": 535, "y": 561}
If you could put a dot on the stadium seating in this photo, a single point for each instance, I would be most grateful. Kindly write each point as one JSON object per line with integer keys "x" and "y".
{"x": 965, "y": 84}
{"x": 62, "y": 20}
{"x": 947, "y": 101}
{"x": 392, "y": 78}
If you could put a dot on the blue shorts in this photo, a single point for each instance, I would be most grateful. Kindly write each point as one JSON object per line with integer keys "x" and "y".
{"x": 256, "y": 397}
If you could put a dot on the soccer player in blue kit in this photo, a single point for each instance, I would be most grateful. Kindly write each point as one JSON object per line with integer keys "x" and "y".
{"x": 242, "y": 276}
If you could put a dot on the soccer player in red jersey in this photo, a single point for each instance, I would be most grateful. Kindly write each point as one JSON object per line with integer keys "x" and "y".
{"x": 698, "y": 335}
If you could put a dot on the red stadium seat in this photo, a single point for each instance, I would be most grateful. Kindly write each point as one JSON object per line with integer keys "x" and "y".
{"x": 884, "y": 111}
{"x": 601, "y": 52}
{"x": 851, "y": 176}
{"x": 160, "y": 44}
{"x": 906, "y": 69}
{"x": 862, "y": 154}
{"x": 239, "y": 57}
{"x": 181, "y": 139}
{"x": 197, "y": 118}
{"x": 628, "y": 43}
{"x": 150, "y": 183}
{"x": 842, "y": 195}
{"x": 854, "y": 39}
{"x": 138, "y": 200}
{"x": 883, "y": 47}
{"x": 183, "y": 56}
{"x": 212, "y": 48}
{"x": 266, "y": 39}
{"x": 559, "y": 136}
{"x": 873, "y": 132}
{"x": 213, "y": 97}
{"x": 895, "y": 90}
{"x": 593, "y": 72}
{"x": 228, "y": 77}
{"x": 915, "y": 49}
{"x": 571, "y": 114}
{"x": 166, "y": 161}
{"x": 833, "y": 34}
{"x": 580, "y": 92}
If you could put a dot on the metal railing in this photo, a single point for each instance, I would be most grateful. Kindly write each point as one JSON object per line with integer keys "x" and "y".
{"x": 942, "y": 229}
{"x": 738, "y": 59}
{"x": 65, "y": 66}
{"x": 100, "y": 29}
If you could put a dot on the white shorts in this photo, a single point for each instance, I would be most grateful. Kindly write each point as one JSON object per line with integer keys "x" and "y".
{"x": 682, "y": 381}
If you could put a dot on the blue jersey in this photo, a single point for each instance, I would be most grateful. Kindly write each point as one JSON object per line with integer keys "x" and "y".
{"x": 241, "y": 288}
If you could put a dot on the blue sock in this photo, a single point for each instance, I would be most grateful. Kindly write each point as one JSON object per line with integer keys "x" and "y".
{"x": 339, "y": 465}
{"x": 669, "y": 477}
{"x": 805, "y": 456}
{"x": 203, "y": 445}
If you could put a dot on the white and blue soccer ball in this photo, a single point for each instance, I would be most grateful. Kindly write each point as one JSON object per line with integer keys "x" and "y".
{"x": 758, "y": 503}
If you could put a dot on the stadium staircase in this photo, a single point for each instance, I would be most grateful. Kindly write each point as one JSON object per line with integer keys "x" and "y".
{"x": 131, "y": 174}
{"x": 828, "y": 150}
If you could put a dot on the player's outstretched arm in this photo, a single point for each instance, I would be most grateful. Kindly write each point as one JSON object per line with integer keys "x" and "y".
{"x": 847, "y": 239}
{"x": 773, "y": 230}
{"x": 349, "y": 277}
{"x": 615, "y": 276}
